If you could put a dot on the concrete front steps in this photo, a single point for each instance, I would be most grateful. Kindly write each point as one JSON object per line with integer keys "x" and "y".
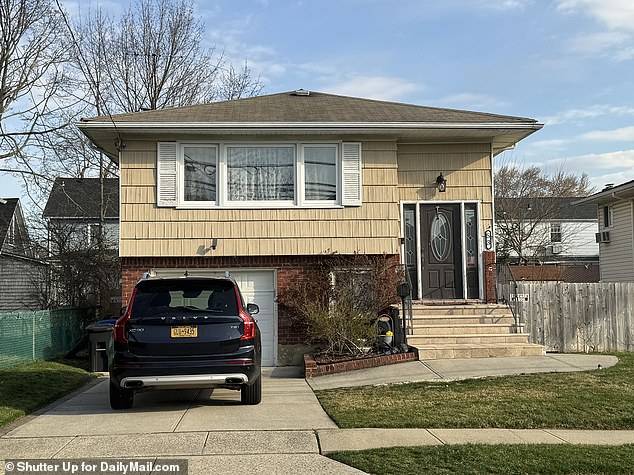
{"x": 469, "y": 330}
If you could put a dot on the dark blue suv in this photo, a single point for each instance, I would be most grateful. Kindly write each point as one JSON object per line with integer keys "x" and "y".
{"x": 188, "y": 333}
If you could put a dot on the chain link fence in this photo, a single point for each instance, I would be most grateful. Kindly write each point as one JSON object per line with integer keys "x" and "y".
{"x": 41, "y": 335}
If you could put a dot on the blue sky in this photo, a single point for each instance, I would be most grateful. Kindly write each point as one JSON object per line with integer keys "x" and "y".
{"x": 567, "y": 63}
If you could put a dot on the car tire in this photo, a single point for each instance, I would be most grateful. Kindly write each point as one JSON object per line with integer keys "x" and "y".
{"x": 120, "y": 398}
{"x": 252, "y": 394}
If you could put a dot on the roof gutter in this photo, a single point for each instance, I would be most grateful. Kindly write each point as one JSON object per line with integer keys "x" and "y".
{"x": 307, "y": 125}
{"x": 610, "y": 193}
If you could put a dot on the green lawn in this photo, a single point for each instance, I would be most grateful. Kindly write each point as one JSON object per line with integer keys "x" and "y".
{"x": 602, "y": 399}
{"x": 497, "y": 459}
{"x": 26, "y": 388}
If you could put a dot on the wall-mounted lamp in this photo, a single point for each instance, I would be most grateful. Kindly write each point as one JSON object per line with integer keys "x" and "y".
{"x": 441, "y": 183}
{"x": 203, "y": 249}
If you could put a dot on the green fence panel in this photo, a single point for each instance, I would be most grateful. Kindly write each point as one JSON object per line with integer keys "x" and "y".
{"x": 43, "y": 334}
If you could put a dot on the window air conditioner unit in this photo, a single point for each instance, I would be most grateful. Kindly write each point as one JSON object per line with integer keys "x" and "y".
{"x": 603, "y": 236}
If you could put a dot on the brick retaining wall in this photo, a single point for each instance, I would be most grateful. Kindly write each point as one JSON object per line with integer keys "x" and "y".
{"x": 312, "y": 369}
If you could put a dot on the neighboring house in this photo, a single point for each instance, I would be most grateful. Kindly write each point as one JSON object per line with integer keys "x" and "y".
{"x": 85, "y": 267}
{"x": 267, "y": 186}
{"x": 73, "y": 212}
{"x": 546, "y": 230}
{"x": 20, "y": 271}
{"x": 615, "y": 208}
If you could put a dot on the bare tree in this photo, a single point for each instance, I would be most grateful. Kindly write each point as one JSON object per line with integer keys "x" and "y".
{"x": 526, "y": 201}
{"x": 32, "y": 55}
{"x": 238, "y": 84}
{"x": 54, "y": 71}
{"x": 156, "y": 59}
{"x": 80, "y": 273}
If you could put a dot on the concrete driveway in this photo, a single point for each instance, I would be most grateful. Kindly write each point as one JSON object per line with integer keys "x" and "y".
{"x": 212, "y": 430}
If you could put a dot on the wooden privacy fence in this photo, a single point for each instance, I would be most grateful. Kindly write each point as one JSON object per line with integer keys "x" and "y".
{"x": 570, "y": 317}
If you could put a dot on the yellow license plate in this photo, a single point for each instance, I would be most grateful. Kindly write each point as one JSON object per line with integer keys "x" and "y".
{"x": 185, "y": 332}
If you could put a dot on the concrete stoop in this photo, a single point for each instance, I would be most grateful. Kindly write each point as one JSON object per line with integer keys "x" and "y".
{"x": 471, "y": 330}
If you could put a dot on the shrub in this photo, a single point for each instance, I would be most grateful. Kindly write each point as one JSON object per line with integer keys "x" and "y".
{"x": 341, "y": 302}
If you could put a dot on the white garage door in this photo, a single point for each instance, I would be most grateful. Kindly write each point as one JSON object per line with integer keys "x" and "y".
{"x": 257, "y": 286}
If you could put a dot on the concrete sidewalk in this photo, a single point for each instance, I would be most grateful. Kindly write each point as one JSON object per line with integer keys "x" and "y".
{"x": 362, "y": 439}
{"x": 287, "y": 433}
{"x": 457, "y": 369}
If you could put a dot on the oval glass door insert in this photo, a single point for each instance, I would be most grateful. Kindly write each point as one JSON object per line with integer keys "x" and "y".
{"x": 440, "y": 237}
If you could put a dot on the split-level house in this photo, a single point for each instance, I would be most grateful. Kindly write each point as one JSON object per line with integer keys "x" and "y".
{"x": 21, "y": 273}
{"x": 265, "y": 186}
{"x": 615, "y": 209}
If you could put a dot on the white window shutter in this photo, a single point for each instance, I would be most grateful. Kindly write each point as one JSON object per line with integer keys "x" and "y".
{"x": 351, "y": 174}
{"x": 166, "y": 174}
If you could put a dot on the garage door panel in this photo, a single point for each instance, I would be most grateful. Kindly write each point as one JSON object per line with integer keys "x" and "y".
{"x": 257, "y": 287}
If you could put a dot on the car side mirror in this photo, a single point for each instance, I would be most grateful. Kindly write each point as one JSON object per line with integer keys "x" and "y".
{"x": 122, "y": 311}
{"x": 252, "y": 309}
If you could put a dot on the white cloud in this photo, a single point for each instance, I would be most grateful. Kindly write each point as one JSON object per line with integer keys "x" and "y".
{"x": 505, "y": 4}
{"x": 595, "y": 43}
{"x": 615, "y": 178}
{"x": 374, "y": 87}
{"x": 614, "y": 14}
{"x": 623, "y": 134}
{"x": 470, "y": 100}
{"x": 619, "y": 160}
{"x": 591, "y": 112}
{"x": 551, "y": 145}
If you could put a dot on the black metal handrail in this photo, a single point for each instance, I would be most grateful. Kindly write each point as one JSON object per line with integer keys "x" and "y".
{"x": 407, "y": 303}
{"x": 506, "y": 291}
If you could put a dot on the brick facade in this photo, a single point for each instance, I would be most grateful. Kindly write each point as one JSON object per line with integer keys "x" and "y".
{"x": 290, "y": 271}
{"x": 490, "y": 271}
{"x": 312, "y": 369}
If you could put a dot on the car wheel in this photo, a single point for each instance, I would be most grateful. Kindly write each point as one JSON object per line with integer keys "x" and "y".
{"x": 252, "y": 394}
{"x": 120, "y": 398}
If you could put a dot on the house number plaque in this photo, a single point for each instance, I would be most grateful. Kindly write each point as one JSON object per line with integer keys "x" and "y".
{"x": 488, "y": 240}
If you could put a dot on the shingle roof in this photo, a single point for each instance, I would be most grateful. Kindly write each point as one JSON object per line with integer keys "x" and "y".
{"x": 79, "y": 198}
{"x": 316, "y": 107}
{"x": 7, "y": 210}
{"x": 558, "y": 208}
{"x": 609, "y": 194}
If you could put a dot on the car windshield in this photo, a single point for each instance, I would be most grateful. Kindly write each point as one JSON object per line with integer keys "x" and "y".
{"x": 166, "y": 298}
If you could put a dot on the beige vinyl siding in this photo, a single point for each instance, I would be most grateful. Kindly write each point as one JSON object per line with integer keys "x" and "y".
{"x": 147, "y": 230}
{"x": 616, "y": 258}
{"x": 467, "y": 168}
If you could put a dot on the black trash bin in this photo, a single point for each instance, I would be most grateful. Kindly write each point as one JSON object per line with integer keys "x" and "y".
{"x": 99, "y": 335}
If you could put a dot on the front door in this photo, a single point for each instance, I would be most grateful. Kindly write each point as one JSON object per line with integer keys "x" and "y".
{"x": 441, "y": 251}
